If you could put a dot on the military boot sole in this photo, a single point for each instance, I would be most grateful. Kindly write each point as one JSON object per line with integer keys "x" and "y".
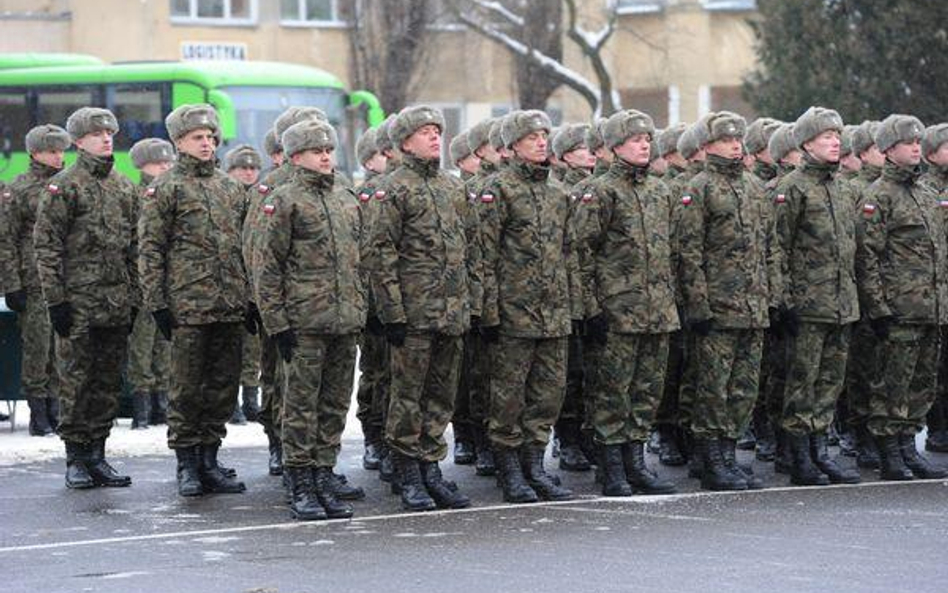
{"x": 928, "y": 474}
{"x": 723, "y": 486}
{"x": 547, "y": 494}
{"x": 214, "y": 487}
{"x": 526, "y": 497}
{"x": 419, "y": 507}
{"x": 897, "y": 476}
{"x": 821, "y": 480}
{"x": 866, "y": 462}
{"x": 617, "y": 490}
{"x": 304, "y": 515}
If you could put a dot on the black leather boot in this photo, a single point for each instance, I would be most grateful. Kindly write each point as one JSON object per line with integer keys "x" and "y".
{"x": 304, "y": 502}
{"x": 251, "y": 404}
{"x": 867, "y": 449}
{"x": 766, "y": 447}
{"x": 442, "y": 493}
{"x": 77, "y": 476}
{"x": 783, "y": 461}
{"x": 189, "y": 470}
{"x": 102, "y": 473}
{"x": 275, "y": 463}
{"x": 715, "y": 475}
{"x": 343, "y": 489}
{"x": 572, "y": 458}
{"x": 414, "y": 495}
{"x": 804, "y": 472}
{"x": 541, "y": 482}
{"x": 669, "y": 446}
{"x": 640, "y": 477}
{"x": 463, "y": 452}
{"x": 159, "y": 408}
{"x": 918, "y": 463}
{"x": 52, "y": 412}
{"x": 372, "y": 456}
{"x": 39, "y": 420}
{"x": 614, "y": 481}
{"x": 335, "y": 508}
{"x": 891, "y": 462}
{"x": 387, "y": 469}
{"x": 511, "y": 478}
{"x": 484, "y": 464}
{"x": 141, "y": 408}
{"x": 729, "y": 452}
{"x": 748, "y": 440}
{"x": 213, "y": 480}
{"x": 836, "y": 474}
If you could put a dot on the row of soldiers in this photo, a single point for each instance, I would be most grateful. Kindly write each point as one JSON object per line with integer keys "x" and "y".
{"x": 628, "y": 296}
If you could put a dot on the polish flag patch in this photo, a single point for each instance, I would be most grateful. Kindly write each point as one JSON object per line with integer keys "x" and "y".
{"x": 150, "y": 192}
{"x": 487, "y": 198}
{"x": 686, "y": 199}
{"x": 869, "y": 209}
{"x": 364, "y": 197}
{"x": 53, "y": 189}
{"x": 943, "y": 203}
{"x": 269, "y": 209}
{"x": 380, "y": 195}
{"x": 587, "y": 198}
{"x": 264, "y": 189}
{"x": 780, "y": 199}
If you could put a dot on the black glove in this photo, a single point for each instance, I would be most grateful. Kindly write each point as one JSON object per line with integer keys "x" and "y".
{"x": 132, "y": 318}
{"x": 475, "y": 324}
{"x": 286, "y": 342}
{"x": 395, "y": 333}
{"x": 701, "y": 327}
{"x": 165, "y": 322}
{"x": 791, "y": 322}
{"x": 490, "y": 334}
{"x": 16, "y": 300}
{"x": 374, "y": 326}
{"x": 777, "y": 328}
{"x": 252, "y": 320}
{"x": 61, "y": 317}
{"x": 576, "y": 327}
{"x": 597, "y": 329}
{"x": 881, "y": 326}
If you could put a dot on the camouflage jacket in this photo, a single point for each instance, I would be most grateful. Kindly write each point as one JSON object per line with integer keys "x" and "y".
{"x": 19, "y": 210}
{"x": 730, "y": 258}
{"x": 9, "y": 280}
{"x": 370, "y": 196}
{"x": 764, "y": 171}
{"x": 816, "y": 225}
{"x": 84, "y": 242}
{"x": 902, "y": 255}
{"x": 528, "y": 237}
{"x": 573, "y": 176}
{"x": 936, "y": 178}
{"x": 867, "y": 176}
{"x": 189, "y": 244}
{"x": 628, "y": 250}
{"x": 308, "y": 273}
{"x": 423, "y": 270}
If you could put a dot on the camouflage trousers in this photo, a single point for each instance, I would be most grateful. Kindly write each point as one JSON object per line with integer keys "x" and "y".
{"x": 424, "y": 381}
{"x": 473, "y": 397}
{"x": 90, "y": 363}
{"x": 250, "y": 360}
{"x": 527, "y": 387}
{"x": 904, "y": 389}
{"x": 727, "y": 366}
{"x": 374, "y": 380}
{"x": 205, "y": 378}
{"x": 317, "y": 387}
{"x": 573, "y": 412}
{"x": 628, "y": 387}
{"x": 670, "y": 412}
{"x": 774, "y": 367}
{"x": 149, "y": 356}
{"x": 861, "y": 371}
{"x": 271, "y": 387}
{"x": 38, "y": 370}
{"x": 815, "y": 377}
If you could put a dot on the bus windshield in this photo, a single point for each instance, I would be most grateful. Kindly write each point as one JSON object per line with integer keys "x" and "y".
{"x": 257, "y": 108}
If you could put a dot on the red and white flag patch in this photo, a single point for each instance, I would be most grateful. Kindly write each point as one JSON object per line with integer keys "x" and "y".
{"x": 780, "y": 199}
{"x": 264, "y": 189}
{"x": 53, "y": 188}
{"x": 380, "y": 195}
{"x": 943, "y": 203}
{"x": 150, "y": 192}
{"x": 364, "y": 197}
{"x": 487, "y": 198}
{"x": 587, "y": 198}
{"x": 868, "y": 209}
{"x": 686, "y": 199}
{"x": 269, "y": 209}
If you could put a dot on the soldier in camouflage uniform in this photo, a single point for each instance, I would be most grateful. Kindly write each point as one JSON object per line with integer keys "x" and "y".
{"x": 373, "y": 347}
{"x": 84, "y": 244}
{"x": 901, "y": 268}
{"x": 757, "y": 144}
{"x": 309, "y": 282}
{"x": 243, "y": 164}
{"x": 849, "y": 163}
{"x": 816, "y": 227}
{"x": 196, "y": 289}
{"x": 730, "y": 279}
{"x": 935, "y": 153}
{"x": 864, "y": 347}
{"x": 273, "y": 148}
{"x": 569, "y": 147}
{"x": 424, "y": 278}
{"x": 149, "y": 354}
{"x": 627, "y": 245}
{"x": 528, "y": 237}
{"x": 46, "y": 145}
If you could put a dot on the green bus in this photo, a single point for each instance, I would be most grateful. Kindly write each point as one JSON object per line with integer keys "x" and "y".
{"x": 37, "y": 89}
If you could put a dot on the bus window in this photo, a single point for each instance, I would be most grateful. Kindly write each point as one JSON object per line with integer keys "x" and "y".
{"x": 55, "y": 104}
{"x": 14, "y": 119}
{"x": 140, "y": 110}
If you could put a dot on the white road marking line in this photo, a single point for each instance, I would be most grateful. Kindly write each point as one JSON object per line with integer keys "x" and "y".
{"x": 290, "y": 525}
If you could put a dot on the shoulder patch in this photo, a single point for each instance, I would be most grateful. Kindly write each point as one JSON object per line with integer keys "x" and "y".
{"x": 471, "y": 196}
{"x": 686, "y": 199}
{"x": 780, "y": 199}
{"x": 487, "y": 198}
{"x": 269, "y": 208}
{"x": 53, "y": 189}
{"x": 264, "y": 189}
{"x": 150, "y": 192}
{"x": 943, "y": 203}
{"x": 364, "y": 197}
{"x": 380, "y": 195}
{"x": 587, "y": 198}
{"x": 868, "y": 209}
{"x": 6, "y": 194}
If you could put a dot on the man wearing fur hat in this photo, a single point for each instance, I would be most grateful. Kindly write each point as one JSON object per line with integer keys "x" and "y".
{"x": 756, "y": 142}
{"x": 84, "y": 244}
{"x": 196, "y": 288}
{"x": 46, "y": 145}
{"x": 424, "y": 279}
{"x": 901, "y": 269}
{"x": 816, "y": 225}
{"x": 528, "y": 237}
{"x": 730, "y": 280}
{"x": 149, "y": 354}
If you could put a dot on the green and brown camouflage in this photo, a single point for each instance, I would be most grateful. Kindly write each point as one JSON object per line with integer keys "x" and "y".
{"x": 20, "y": 203}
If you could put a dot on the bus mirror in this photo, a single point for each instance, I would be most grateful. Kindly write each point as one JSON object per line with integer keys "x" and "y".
{"x": 226, "y": 113}
{"x": 374, "y": 113}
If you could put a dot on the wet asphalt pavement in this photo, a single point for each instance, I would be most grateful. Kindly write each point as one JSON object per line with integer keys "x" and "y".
{"x": 872, "y": 537}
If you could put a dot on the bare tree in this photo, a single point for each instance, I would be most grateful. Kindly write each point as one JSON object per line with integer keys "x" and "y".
{"x": 501, "y": 24}
{"x": 390, "y": 45}
{"x": 542, "y": 30}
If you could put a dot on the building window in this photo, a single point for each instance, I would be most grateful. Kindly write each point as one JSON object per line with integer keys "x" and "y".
{"x": 730, "y": 5}
{"x": 217, "y": 12}
{"x": 140, "y": 110}
{"x": 14, "y": 119}
{"x": 313, "y": 12}
{"x": 639, "y": 6}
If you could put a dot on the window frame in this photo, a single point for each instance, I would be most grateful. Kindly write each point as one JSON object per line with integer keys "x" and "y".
{"x": 300, "y": 22}
{"x": 226, "y": 21}
{"x": 635, "y": 7}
